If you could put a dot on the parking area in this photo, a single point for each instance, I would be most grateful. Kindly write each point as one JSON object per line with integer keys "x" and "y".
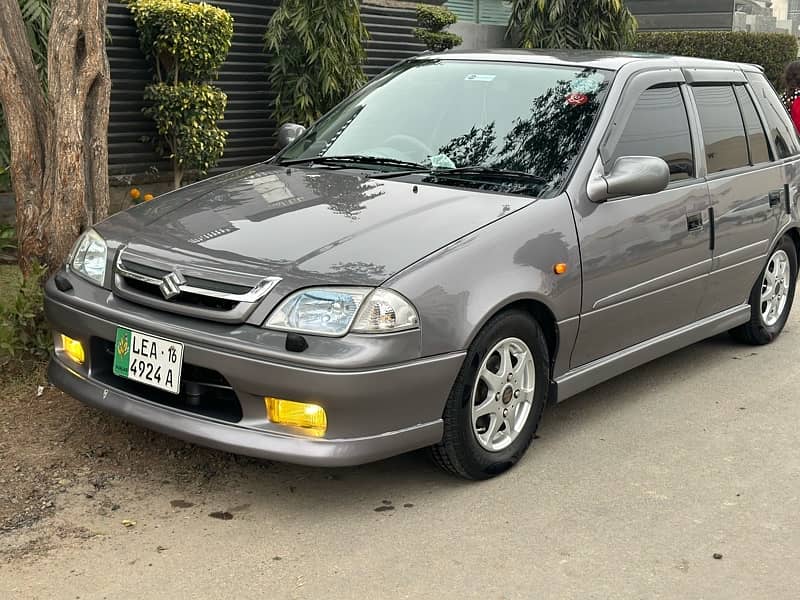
{"x": 680, "y": 479}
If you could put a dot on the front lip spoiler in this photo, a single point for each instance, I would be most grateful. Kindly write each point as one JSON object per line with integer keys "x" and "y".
{"x": 238, "y": 439}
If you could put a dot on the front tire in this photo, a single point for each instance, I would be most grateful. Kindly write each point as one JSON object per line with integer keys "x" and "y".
{"x": 771, "y": 297}
{"x": 496, "y": 402}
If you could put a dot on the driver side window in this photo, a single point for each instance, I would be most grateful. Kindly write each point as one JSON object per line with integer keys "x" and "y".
{"x": 659, "y": 126}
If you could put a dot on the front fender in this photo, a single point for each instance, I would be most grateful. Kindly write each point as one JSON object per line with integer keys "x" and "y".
{"x": 460, "y": 287}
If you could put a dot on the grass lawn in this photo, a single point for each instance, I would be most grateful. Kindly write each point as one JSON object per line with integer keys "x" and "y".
{"x": 10, "y": 279}
{"x": 14, "y": 374}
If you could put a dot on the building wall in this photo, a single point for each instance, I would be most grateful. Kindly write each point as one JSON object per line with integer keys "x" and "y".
{"x": 671, "y": 15}
{"x": 480, "y": 36}
{"x": 486, "y": 12}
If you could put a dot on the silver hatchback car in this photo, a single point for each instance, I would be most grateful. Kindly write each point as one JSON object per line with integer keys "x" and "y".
{"x": 467, "y": 238}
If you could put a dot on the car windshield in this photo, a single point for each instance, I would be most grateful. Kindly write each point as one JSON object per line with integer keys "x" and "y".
{"x": 446, "y": 114}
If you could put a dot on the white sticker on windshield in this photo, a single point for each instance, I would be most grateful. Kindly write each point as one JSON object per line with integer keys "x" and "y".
{"x": 441, "y": 161}
{"x": 587, "y": 85}
{"x": 477, "y": 77}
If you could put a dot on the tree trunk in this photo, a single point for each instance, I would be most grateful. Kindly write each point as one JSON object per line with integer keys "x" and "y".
{"x": 59, "y": 152}
{"x": 177, "y": 169}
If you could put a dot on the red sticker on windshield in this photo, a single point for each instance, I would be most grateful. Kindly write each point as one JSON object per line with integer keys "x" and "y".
{"x": 576, "y": 99}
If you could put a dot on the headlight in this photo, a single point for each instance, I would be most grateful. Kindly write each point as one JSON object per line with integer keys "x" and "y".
{"x": 88, "y": 258}
{"x": 334, "y": 311}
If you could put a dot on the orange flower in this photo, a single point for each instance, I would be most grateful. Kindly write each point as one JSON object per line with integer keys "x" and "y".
{"x": 135, "y": 193}
{"x": 148, "y": 197}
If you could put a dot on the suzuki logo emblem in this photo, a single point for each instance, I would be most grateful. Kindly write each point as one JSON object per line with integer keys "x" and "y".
{"x": 171, "y": 284}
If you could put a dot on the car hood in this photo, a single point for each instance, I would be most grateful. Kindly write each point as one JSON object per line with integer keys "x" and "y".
{"x": 311, "y": 226}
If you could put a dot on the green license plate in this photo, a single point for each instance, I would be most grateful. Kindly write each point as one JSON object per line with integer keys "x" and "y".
{"x": 148, "y": 359}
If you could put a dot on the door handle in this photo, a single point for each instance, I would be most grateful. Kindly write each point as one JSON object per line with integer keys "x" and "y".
{"x": 694, "y": 222}
{"x": 774, "y": 198}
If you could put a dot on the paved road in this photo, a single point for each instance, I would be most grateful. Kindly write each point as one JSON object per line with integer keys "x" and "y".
{"x": 630, "y": 491}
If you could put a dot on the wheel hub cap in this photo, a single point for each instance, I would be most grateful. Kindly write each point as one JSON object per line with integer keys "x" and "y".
{"x": 502, "y": 396}
{"x": 508, "y": 394}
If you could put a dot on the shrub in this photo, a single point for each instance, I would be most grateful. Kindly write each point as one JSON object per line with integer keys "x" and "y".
{"x": 186, "y": 43}
{"x": 433, "y": 20}
{"x": 183, "y": 38}
{"x": 186, "y": 116}
{"x": 8, "y": 238}
{"x": 23, "y": 329}
{"x": 317, "y": 53}
{"x": 595, "y": 24}
{"x": 770, "y": 50}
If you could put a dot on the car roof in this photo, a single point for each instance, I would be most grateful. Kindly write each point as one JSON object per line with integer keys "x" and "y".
{"x": 593, "y": 58}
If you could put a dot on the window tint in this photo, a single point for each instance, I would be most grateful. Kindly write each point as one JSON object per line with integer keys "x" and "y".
{"x": 779, "y": 125}
{"x": 658, "y": 126}
{"x": 756, "y": 138}
{"x": 723, "y": 131}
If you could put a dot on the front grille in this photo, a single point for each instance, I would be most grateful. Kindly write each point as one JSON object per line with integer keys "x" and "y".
{"x": 203, "y": 391}
{"x": 206, "y": 284}
{"x": 186, "y": 298}
{"x": 201, "y": 292}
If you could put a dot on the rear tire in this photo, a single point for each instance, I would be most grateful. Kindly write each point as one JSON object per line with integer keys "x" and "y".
{"x": 771, "y": 297}
{"x": 496, "y": 402}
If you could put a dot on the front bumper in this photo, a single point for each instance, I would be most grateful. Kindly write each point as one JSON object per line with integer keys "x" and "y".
{"x": 373, "y": 412}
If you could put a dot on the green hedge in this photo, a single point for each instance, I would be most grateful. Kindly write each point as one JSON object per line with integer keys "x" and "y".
{"x": 770, "y": 50}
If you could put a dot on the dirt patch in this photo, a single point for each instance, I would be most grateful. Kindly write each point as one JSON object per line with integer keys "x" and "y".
{"x": 56, "y": 452}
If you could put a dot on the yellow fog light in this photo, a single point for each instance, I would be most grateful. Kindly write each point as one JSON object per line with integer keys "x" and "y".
{"x": 73, "y": 349}
{"x": 297, "y": 414}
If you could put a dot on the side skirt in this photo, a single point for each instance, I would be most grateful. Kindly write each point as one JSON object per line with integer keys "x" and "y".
{"x": 582, "y": 378}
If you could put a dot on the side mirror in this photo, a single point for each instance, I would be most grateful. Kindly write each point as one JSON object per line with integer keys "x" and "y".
{"x": 630, "y": 176}
{"x": 288, "y": 133}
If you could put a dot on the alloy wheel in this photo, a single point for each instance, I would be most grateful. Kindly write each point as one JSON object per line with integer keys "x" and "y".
{"x": 775, "y": 288}
{"x": 502, "y": 396}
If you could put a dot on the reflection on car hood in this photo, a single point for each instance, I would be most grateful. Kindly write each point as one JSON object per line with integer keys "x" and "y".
{"x": 310, "y": 225}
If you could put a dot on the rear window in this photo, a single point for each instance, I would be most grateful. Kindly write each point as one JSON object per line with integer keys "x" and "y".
{"x": 723, "y": 130}
{"x": 779, "y": 125}
{"x": 756, "y": 138}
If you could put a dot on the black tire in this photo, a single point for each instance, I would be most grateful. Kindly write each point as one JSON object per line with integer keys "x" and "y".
{"x": 756, "y": 331}
{"x": 459, "y": 452}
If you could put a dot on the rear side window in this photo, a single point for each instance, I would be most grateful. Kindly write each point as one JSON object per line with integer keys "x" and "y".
{"x": 756, "y": 138}
{"x": 779, "y": 124}
{"x": 658, "y": 126}
{"x": 723, "y": 130}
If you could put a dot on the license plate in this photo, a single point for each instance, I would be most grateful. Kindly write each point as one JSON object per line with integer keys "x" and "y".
{"x": 148, "y": 359}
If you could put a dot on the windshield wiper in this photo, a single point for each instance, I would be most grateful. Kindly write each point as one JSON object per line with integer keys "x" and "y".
{"x": 352, "y": 159}
{"x": 487, "y": 172}
{"x": 501, "y": 174}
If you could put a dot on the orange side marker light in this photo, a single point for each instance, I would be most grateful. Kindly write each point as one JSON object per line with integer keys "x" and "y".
{"x": 560, "y": 268}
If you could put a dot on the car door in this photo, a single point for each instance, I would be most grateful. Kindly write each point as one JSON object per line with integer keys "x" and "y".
{"x": 746, "y": 187}
{"x": 645, "y": 259}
